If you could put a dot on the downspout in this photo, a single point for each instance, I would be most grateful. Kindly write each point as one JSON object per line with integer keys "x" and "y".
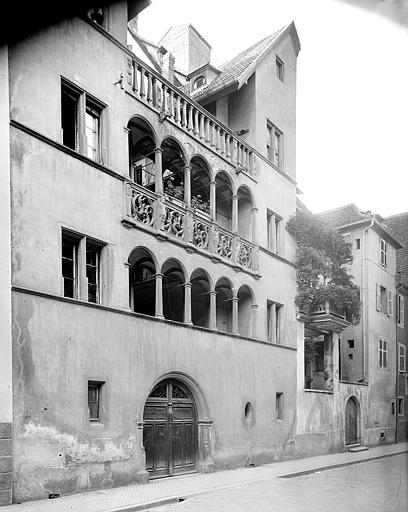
{"x": 364, "y": 294}
{"x": 396, "y": 365}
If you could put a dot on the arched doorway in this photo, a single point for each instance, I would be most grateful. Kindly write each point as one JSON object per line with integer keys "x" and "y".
{"x": 351, "y": 420}
{"x": 170, "y": 430}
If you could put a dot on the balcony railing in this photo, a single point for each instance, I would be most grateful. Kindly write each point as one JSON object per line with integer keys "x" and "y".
{"x": 327, "y": 317}
{"x": 170, "y": 218}
{"x": 151, "y": 88}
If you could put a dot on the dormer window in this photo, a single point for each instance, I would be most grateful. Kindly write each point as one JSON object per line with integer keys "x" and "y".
{"x": 199, "y": 82}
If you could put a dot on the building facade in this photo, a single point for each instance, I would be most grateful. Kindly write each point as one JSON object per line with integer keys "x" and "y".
{"x": 152, "y": 328}
{"x": 362, "y": 406}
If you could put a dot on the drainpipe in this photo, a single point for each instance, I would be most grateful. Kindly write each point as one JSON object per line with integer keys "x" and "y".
{"x": 396, "y": 364}
{"x": 364, "y": 294}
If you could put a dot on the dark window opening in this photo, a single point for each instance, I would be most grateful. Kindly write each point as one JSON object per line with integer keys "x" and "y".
{"x": 94, "y": 400}
{"x": 350, "y": 343}
{"x": 279, "y": 406}
{"x": 142, "y": 282}
{"x": 279, "y": 68}
{"x": 224, "y": 305}
{"x": 350, "y": 356}
{"x": 200, "y": 298}
{"x": 69, "y": 116}
{"x": 199, "y": 82}
{"x": 357, "y": 244}
{"x": 93, "y": 252}
{"x": 141, "y": 154}
{"x": 70, "y": 264}
{"x": 173, "y": 291}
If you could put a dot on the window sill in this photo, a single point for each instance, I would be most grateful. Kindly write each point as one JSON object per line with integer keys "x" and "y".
{"x": 323, "y": 391}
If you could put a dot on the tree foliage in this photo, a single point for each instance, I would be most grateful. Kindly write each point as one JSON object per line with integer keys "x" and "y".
{"x": 322, "y": 258}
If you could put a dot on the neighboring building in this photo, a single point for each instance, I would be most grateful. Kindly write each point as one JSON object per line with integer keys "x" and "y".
{"x": 398, "y": 226}
{"x": 367, "y": 351}
{"x": 151, "y": 279}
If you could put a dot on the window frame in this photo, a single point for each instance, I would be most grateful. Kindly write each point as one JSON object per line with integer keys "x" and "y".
{"x": 274, "y": 232}
{"x": 382, "y": 353}
{"x": 280, "y": 69}
{"x": 100, "y": 384}
{"x": 274, "y": 322}
{"x": 402, "y": 368}
{"x": 75, "y": 238}
{"x": 383, "y": 253}
{"x": 271, "y": 150}
{"x": 279, "y": 405}
{"x": 400, "y": 406}
{"x": 86, "y": 104}
{"x": 401, "y": 309}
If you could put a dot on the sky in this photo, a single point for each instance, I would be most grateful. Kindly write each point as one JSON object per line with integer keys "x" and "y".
{"x": 352, "y": 88}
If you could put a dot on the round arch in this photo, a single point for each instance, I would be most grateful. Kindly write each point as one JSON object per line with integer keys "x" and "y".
{"x": 246, "y": 301}
{"x": 352, "y": 420}
{"x": 223, "y": 173}
{"x": 140, "y": 249}
{"x": 138, "y": 117}
{"x": 174, "y": 278}
{"x": 142, "y": 143}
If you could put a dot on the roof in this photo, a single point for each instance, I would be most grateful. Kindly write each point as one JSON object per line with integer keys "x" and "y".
{"x": 397, "y": 225}
{"x": 350, "y": 216}
{"x": 241, "y": 67}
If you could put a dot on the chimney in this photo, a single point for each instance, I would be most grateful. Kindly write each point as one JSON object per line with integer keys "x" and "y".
{"x": 168, "y": 67}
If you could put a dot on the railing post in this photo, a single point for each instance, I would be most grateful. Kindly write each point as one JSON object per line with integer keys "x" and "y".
{"x": 135, "y": 87}
{"x": 207, "y": 131}
{"x": 142, "y": 83}
{"x": 184, "y": 114}
{"x": 190, "y": 119}
{"x": 196, "y": 123}
{"x": 177, "y": 117}
{"x": 202, "y": 127}
{"x": 149, "y": 88}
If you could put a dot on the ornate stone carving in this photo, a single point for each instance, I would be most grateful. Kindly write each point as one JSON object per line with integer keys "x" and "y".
{"x": 201, "y": 234}
{"x": 142, "y": 208}
{"x": 224, "y": 245}
{"x": 174, "y": 222}
{"x": 244, "y": 253}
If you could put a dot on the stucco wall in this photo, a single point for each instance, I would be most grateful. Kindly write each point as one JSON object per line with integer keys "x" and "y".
{"x": 59, "y": 344}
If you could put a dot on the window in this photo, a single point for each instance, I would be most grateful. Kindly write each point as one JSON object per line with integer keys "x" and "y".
{"x": 382, "y": 353}
{"x": 357, "y": 244}
{"x": 274, "y": 145}
{"x": 279, "y": 68}
{"x": 400, "y": 406}
{"x": 95, "y": 399}
{"x": 274, "y": 313}
{"x": 70, "y": 264}
{"x": 383, "y": 252}
{"x": 350, "y": 343}
{"x": 279, "y": 406}
{"x": 274, "y": 226}
{"x": 401, "y": 310}
{"x": 92, "y": 125}
{"x": 81, "y": 121}
{"x": 384, "y": 300}
{"x": 78, "y": 248}
{"x": 406, "y": 384}
{"x": 93, "y": 251}
{"x": 199, "y": 82}
{"x": 350, "y": 356}
{"x": 401, "y": 358}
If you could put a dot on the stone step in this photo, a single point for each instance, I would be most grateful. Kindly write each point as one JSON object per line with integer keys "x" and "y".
{"x": 357, "y": 448}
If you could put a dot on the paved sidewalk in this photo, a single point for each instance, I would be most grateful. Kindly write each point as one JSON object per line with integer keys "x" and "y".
{"x": 170, "y": 490}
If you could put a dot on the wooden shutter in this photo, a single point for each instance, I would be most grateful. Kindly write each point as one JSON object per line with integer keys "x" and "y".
{"x": 378, "y": 297}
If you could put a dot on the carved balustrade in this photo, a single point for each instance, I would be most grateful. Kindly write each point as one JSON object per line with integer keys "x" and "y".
{"x": 170, "y": 103}
{"x": 170, "y": 218}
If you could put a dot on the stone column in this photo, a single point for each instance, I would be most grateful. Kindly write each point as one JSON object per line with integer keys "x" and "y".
{"x": 254, "y": 316}
{"x": 130, "y": 171}
{"x": 213, "y": 310}
{"x": 235, "y": 214}
{"x": 187, "y": 185}
{"x": 235, "y": 301}
{"x": 159, "y": 295}
{"x": 187, "y": 304}
{"x": 213, "y": 206}
{"x": 205, "y": 443}
{"x": 328, "y": 362}
{"x": 131, "y": 301}
{"x": 158, "y": 171}
{"x": 142, "y": 476}
{"x": 254, "y": 217}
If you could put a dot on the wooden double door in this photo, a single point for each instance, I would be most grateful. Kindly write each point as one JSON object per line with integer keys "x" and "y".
{"x": 170, "y": 430}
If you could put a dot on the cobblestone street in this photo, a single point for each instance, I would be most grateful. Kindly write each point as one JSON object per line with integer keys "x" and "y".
{"x": 378, "y": 485}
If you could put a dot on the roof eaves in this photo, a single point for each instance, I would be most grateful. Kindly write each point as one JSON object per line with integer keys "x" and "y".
{"x": 376, "y": 225}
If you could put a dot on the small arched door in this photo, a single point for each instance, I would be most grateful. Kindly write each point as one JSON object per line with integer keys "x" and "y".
{"x": 169, "y": 431}
{"x": 351, "y": 421}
